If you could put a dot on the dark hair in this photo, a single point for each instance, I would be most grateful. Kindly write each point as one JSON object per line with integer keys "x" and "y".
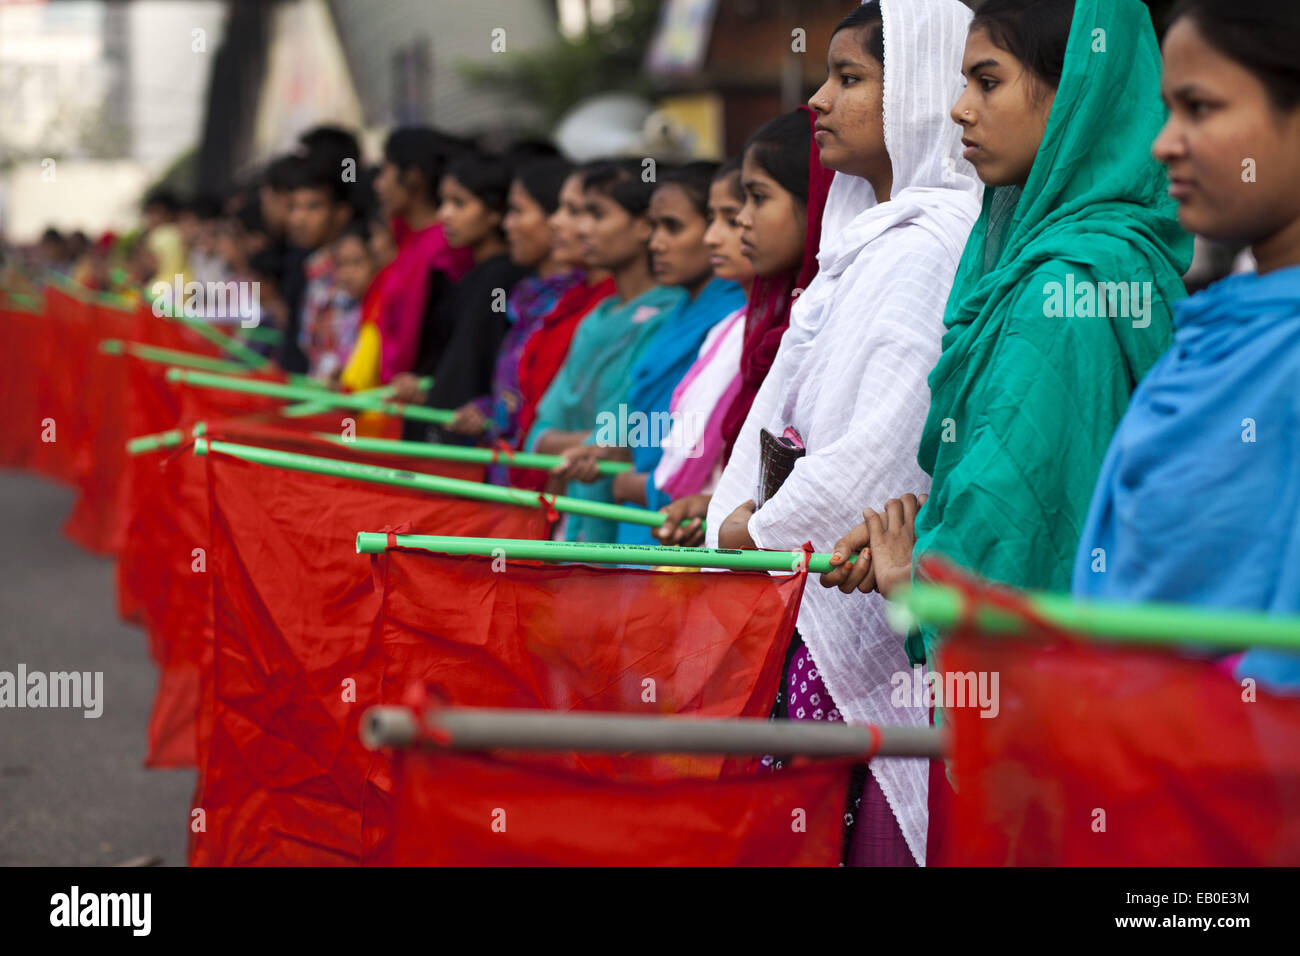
{"x": 162, "y": 197}
{"x": 781, "y": 147}
{"x": 333, "y": 142}
{"x": 543, "y": 179}
{"x": 1035, "y": 32}
{"x": 1262, "y": 36}
{"x": 280, "y": 172}
{"x": 205, "y": 206}
{"x": 425, "y": 150}
{"x": 358, "y": 229}
{"x": 487, "y": 177}
{"x": 51, "y": 235}
{"x": 530, "y": 151}
{"x": 694, "y": 179}
{"x": 731, "y": 170}
{"x": 873, "y": 41}
{"x": 319, "y": 171}
{"x": 619, "y": 180}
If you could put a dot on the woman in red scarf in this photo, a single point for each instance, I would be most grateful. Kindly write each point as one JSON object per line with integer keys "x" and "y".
{"x": 547, "y": 348}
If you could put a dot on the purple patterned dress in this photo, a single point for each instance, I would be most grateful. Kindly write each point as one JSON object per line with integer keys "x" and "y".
{"x": 529, "y": 300}
{"x": 871, "y": 834}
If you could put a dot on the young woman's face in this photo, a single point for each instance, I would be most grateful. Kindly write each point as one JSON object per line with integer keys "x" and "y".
{"x": 528, "y": 231}
{"x": 1222, "y": 129}
{"x": 393, "y": 194}
{"x": 678, "y": 255}
{"x": 611, "y": 237}
{"x": 772, "y": 222}
{"x": 566, "y": 245}
{"x": 850, "y": 130}
{"x": 1003, "y": 112}
{"x": 722, "y": 237}
{"x": 466, "y": 220}
{"x": 352, "y": 269}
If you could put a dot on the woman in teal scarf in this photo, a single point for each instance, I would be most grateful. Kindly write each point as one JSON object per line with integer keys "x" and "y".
{"x": 1061, "y": 303}
{"x": 614, "y": 231}
{"x": 679, "y": 218}
{"x": 1198, "y": 500}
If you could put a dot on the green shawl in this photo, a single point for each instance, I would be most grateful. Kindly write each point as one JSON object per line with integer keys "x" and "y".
{"x": 1031, "y": 384}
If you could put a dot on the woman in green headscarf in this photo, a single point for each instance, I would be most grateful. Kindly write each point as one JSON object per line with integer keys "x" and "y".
{"x": 1062, "y": 300}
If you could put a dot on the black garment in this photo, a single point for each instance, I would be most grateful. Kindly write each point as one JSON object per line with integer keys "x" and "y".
{"x": 472, "y": 315}
{"x": 293, "y": 286}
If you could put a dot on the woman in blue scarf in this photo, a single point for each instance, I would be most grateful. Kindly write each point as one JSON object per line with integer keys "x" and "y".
{"x": 614, "y": 230}
{"x": 678, "y": 218}
{"x": 1198, "y": 500}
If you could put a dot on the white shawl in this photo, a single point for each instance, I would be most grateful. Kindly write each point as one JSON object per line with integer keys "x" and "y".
{"x": 850, "y": 375}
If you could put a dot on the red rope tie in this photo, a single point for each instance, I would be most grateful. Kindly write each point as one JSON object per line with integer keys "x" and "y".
{"x": 501, "y": 447}
{"x": 807, "y": 550}
{"x": 877, "y": 738}
{"x": 420, "y": 702}
{"x": 548, "y": 505}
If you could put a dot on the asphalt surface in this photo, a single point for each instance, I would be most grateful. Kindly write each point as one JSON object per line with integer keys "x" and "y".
{"x": 74, "y": 790}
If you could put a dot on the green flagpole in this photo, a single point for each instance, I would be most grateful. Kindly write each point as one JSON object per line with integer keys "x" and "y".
{"x": 465, "y": 453}
{"x": 227, "y": 343}
{"x": 146, "y": 443}
{"x": 435, "y": 483}
{"x": 315, "y": 408}
{"x": 439, "y": 416}
{"x": 162, "y": 356}
{"x": 733, "y": 559}
{"x": 1160, "y": 624}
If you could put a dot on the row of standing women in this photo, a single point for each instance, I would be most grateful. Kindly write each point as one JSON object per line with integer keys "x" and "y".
{"x": 954, "y": 280}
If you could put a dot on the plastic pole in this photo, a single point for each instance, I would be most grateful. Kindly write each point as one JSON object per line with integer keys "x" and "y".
{"x": 440, "y": 416}
{"x": 466, "y": 728}
{"x": 435, "y": 483}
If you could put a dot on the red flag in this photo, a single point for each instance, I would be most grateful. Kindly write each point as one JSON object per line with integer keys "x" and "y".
{"x": 473, "y": 810}
{"x": 20, "y": 384}
{"x": 97, "y": 519}
{"x": 494, "y": 632}
{"x": 60, "y": 357}
{"x": 296, "y": 659}
{"x": 170, "y": 521}
{"x": 1115, "y": 756}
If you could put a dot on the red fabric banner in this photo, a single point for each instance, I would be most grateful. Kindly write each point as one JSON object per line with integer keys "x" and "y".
{"x": 1110, "y": 756}
{"x": 97, "y": 520}
{"x": 296, "y": 656}
{"x": 495, "y": 632}
{"x": 170, "y": 520}
{"x": 474, "y": 810}
{"x": 20, "y": 337}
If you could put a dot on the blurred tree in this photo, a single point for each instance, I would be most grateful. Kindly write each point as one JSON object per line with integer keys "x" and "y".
{"x": 606, "y": 59}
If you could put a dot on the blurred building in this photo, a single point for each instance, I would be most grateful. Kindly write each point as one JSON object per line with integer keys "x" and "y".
{"x": 365, "y": 64}
{"x": 97, "y": 98}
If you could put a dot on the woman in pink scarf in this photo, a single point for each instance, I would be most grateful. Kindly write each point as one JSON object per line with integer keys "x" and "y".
{"x": 407, "y": 184}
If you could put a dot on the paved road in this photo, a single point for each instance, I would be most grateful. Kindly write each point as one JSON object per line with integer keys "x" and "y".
{"x": 73, "y": 790}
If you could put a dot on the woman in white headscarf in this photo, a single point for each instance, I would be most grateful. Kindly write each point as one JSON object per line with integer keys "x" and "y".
{"x": 850, "y": 376}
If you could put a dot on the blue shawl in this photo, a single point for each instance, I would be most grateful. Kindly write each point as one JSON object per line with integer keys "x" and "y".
{"x": 667, "y": 358}
{"x": 1198, "y": 501}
